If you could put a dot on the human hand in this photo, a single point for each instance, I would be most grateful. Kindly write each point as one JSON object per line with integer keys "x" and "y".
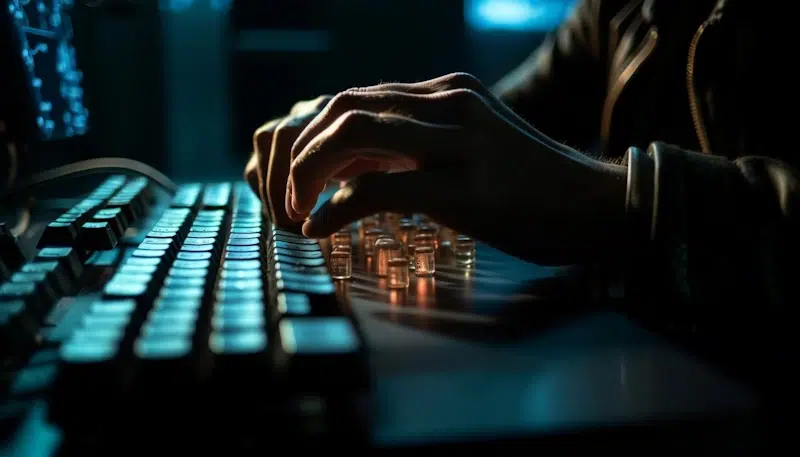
{"x": 450, "y": 149}
{"x": 267, "y": 171}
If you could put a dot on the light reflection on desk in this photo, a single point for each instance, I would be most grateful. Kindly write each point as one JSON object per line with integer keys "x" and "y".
{"x": 447, "y": 365}
{"x": 425, "y": 295}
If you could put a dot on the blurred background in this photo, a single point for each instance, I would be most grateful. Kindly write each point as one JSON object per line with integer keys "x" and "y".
{"x": 182, "y": 84}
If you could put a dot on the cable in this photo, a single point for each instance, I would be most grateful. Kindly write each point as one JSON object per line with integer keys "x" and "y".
{"x": 90, "y": 167}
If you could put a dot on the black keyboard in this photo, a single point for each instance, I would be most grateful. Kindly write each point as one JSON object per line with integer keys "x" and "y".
{"x": 212, "y": 311}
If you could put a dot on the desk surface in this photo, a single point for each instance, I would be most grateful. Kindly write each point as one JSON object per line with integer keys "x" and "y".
{"x": 478, "y": 351}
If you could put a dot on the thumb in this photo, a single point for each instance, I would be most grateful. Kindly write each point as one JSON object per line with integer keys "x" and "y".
{"x": 405, "y": 192}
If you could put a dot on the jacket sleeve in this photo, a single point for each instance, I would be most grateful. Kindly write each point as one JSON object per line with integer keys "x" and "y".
{"x": 714, "y": 247}
{"x": 561, "y": 87}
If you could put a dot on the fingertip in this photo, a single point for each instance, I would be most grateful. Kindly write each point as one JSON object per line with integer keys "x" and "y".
{"x": 289, "y": 206}
{"x": 308, "y": 229}
{"x": 313, "y": 229}
{"x": 305, "y": 203}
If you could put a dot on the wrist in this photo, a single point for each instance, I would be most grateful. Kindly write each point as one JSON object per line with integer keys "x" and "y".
{"x": 601, "y": 206}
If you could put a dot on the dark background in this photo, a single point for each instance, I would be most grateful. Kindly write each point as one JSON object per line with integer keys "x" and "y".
{"x": 182, "y": 84}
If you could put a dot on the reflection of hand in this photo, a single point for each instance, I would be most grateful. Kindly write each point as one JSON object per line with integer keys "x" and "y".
{"x": 456, "y": 153}
{"x": 267, "y": 171}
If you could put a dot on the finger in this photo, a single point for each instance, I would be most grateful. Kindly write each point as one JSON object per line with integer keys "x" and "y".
{"x": 365, "y": 134}
{"x": 308, "y": 106}
{"x": 278, "y": 170}
{"x": 251, "y": 174}
{"x": 449, "y": 107}
{"x": 362, "y": 166}
{"x": 262, "y": 147}
{"x": 443, "y": 83}
{"x": 413, "y": 191}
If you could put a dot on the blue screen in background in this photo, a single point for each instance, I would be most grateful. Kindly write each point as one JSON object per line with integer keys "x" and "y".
{"x": 44, "y": 34}
{"x": 516, "y": 15}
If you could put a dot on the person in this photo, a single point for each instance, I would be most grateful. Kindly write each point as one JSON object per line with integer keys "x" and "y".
{"x": 643, "y": 135}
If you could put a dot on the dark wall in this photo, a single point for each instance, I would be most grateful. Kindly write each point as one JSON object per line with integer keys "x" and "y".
{"x": 120, "y": 52}
{"x": 367, "y": 42}
{"x": 310, "y": 47}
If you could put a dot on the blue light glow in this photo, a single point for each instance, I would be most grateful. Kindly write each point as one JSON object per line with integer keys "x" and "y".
{"x": 516, "y": 15}
{"x": 177, "y": 6}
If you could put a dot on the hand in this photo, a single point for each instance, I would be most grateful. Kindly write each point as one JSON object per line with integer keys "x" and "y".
{"x": 267, "y": 172}
{"x": 448, "y": 148}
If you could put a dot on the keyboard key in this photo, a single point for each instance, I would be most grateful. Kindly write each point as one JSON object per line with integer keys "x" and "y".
{"x": 217, "y": 196}
{"x": 301, "y": 262}
{"x": 66, "y": 256}
{"x": 312, "y": 349}
{"x": 241, "y": 265}
{"x": 67, "y": 229}
{"x": 298, "y": 254}
{"x": 313, "y": 247}
{"x": 252, "y": 255}
{"x": 293, "y": 304}
{"x": 115, "y": 219}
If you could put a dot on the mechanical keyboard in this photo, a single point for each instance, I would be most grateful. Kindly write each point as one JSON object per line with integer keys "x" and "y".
{"x": 212, "y": 309}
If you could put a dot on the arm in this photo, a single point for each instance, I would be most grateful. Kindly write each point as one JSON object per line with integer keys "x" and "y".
{"x": 716, "y": 250}
{"x": 561, "y": 87}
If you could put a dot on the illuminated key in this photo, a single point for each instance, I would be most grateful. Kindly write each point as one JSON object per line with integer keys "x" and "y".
{"x": 447, "y": 238}
{"x": 390, "y": 221}
{"x": 405, "y": 231}
{"x": 464, "y": 248}
{"x": 385, "y": 250}
{"x": 341, "y": 264}
{"x": 342, "y": 247}
{"x": 424, "y": 261}
{"x": 367, "y": 224}
{"x": 342, "y": 237}
{"x": 398, "y": 273}
{"x": 431, "y": 231}
{"x": 370, "y": 237}
{"x": 424, "y": 239}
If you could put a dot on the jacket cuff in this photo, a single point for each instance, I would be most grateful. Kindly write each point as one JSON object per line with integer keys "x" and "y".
{"x": 688, "y": 214}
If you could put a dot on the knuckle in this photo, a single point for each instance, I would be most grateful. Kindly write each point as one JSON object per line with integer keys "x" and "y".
{"x": 466, "y": 100}
{"x": 321, "y": 102}
{"x": 351, "y": 122}
{"x": 296, "y": 172}
{"x": 342, "y": 102}
{"x": 262, "y": 137}
{"x": 290, "y": 125}
{"x": 461, "y": 80}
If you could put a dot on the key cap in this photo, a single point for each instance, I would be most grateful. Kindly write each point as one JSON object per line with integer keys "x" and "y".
{"x": 312, "y": 349}
{"x": 131, "y": 199}
{"x": 65, "y": 256}
{"x": 187, "y": 196}
{"x": 115, "y": 218}
{"x": 97, "y": 236}
{"x": 38, "y": 296}
{"x": 217, "y": 196}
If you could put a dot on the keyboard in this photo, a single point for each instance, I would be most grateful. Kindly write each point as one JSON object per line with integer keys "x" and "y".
{"x": 211, "y": 318}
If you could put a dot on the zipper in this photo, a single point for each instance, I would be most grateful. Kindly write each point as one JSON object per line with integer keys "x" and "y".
{"x": 642, "y": 54}
{"x": 694, "y": 101}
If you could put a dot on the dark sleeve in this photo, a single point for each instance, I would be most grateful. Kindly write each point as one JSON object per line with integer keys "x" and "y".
{"x": 713, "y": 250}
{"x": 560, "y": 88}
